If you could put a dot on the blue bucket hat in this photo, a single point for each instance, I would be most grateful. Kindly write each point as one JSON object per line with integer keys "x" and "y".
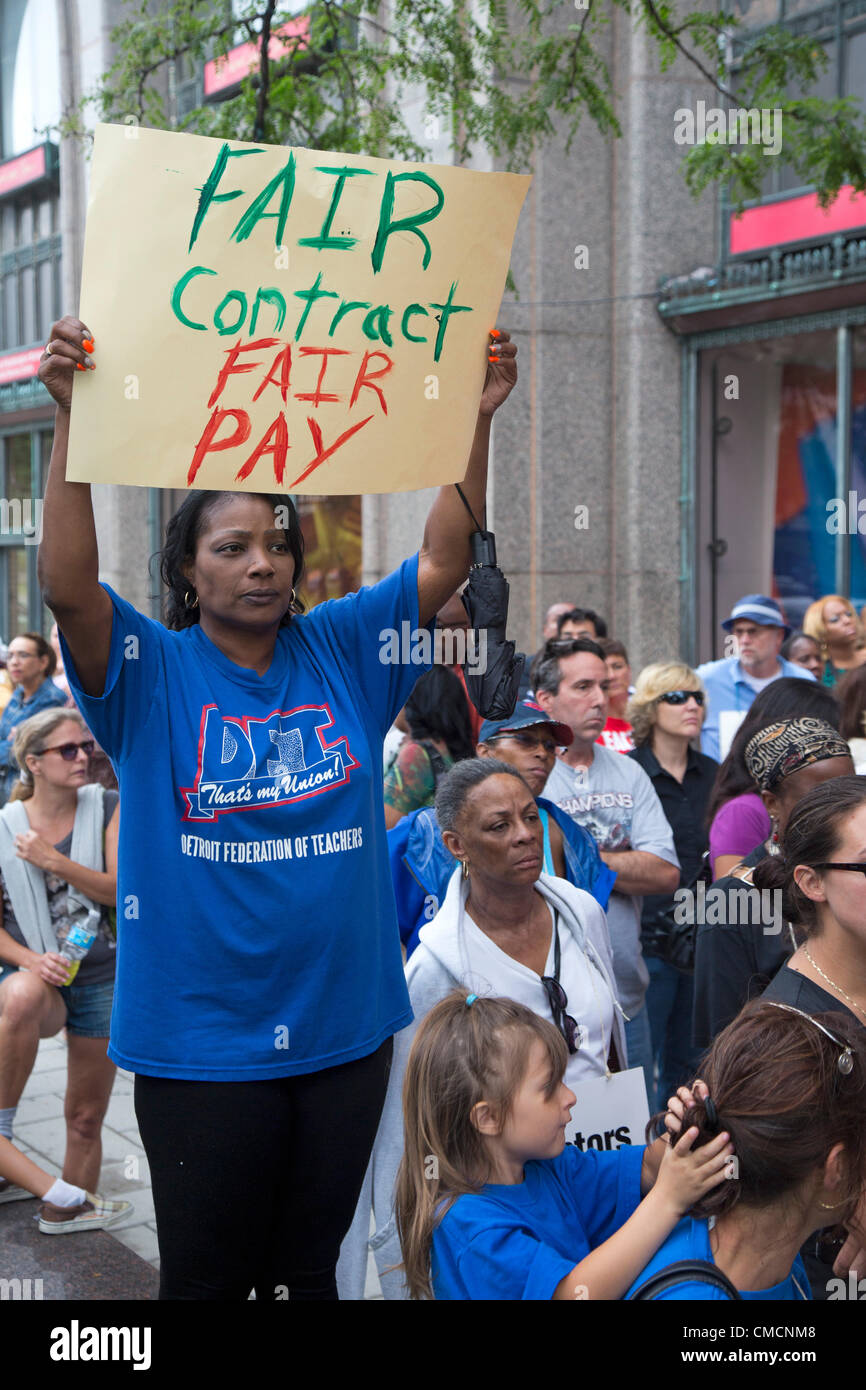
{"x": 526, "y": 714}
{"x": 760, "y": 609}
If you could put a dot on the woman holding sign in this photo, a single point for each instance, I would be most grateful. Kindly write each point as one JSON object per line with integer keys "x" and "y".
{"x": 259, "y": 974}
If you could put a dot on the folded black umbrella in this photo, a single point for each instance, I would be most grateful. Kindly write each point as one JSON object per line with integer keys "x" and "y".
{"x": 493, "y": 690}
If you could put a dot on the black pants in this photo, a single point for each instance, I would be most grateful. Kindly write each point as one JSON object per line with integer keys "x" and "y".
{"x": 255, "y": 1183}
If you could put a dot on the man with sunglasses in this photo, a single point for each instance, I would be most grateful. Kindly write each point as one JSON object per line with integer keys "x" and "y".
{"x": 612, "y": 798}
{"x": 758, "y": 625}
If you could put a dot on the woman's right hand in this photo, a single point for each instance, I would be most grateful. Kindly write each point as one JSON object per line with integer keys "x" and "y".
{"x": 66, "y": 341}
{"x": 52, "y": 968}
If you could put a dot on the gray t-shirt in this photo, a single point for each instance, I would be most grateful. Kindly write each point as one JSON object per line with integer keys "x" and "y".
{"x": 616, "y": 802}
{"x": 97, "y": 967}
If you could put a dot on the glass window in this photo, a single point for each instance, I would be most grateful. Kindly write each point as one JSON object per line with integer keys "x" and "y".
{"x": 25, "y": 223}
{"x": 13, "y": 559}
{"x": 332, "y": 546}
{"x": 45, "y": 217}
{"x": 45, "y": 272}
{"x": 826, "y": 88}
{"x": 757, "y": 13}
{"x": 46, "y": 440}
{"x": 27, "y": 292}
{"x": 7, "y": 227}
{"x": 10, "y": 311}
{"x": 18, "y": 466}
{"x": 768, "y": 472}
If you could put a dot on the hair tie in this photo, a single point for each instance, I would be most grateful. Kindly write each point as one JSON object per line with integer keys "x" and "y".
{"x": 712, "y": 1114}
{"x": 470, "y": 999}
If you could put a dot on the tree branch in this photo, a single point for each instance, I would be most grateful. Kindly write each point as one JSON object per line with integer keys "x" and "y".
{"x": 673, "y": 35}
{"x": 264, "y": 72}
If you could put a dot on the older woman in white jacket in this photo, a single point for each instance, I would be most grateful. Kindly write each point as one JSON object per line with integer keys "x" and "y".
{"x": 505, "y": 929}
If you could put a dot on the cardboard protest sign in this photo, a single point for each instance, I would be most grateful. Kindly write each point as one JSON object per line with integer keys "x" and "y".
{"x": 278, "y": 319}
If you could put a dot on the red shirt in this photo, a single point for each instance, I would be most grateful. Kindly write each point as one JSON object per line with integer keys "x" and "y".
{"x": 616, "y": 735}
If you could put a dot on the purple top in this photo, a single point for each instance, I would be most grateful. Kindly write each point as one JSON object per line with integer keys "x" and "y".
{"x": 740, "y": 826}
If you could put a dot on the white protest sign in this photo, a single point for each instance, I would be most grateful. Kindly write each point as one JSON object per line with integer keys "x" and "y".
{"x": 610, "y": 1111}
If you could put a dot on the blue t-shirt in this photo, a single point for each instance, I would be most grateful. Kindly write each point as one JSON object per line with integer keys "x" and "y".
{"x": 256, "y": 929}
{"x": 517, "y": 1242}
{"x": 690, "y": 1240}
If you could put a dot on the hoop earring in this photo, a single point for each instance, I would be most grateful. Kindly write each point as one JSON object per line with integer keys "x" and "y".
{"x": 830, "y": 1206}
{"x": 292, "y": 601}
{"x": 186, "y": 602}
{"x": 773, "y": 847}
{"x": 465, "y": 863}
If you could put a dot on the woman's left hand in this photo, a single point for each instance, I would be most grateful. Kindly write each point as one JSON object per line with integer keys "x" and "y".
{"x": 30, "y": 846}
{"x": 501, "y": 372}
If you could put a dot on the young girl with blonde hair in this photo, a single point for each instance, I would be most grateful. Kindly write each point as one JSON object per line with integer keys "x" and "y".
{"x": 490, "y": 1203}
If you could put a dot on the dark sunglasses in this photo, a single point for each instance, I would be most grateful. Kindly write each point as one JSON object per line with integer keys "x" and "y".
{"x": 69, "y": 751}
{"x": 679, "y": 697}
{"x": 558, "y": 1001}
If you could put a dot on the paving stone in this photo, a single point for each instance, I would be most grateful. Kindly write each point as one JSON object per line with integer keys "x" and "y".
{"x": 140, "y": 1238}
{"x": 121, "y": 1113}
{"x": 42, "y": 1083}
{"x": 32, "y": 1108}
{"x": 49, "y": 1137}
{"x": 86, "y": 1265}
{"x": 119, "y": 1179}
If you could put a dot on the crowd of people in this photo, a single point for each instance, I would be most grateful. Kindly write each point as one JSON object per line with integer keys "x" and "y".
{"x": 567, "y": 885}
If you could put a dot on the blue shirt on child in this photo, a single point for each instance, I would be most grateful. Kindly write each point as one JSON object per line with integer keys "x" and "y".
{"x": 518, "y": 1241}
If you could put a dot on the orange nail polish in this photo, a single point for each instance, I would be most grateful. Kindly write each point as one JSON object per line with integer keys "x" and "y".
{"x": 87, "y": 344}
{"x": 493, "y": 359}
{"x": 495, "y": 333}
{"x": 79, "y": 366}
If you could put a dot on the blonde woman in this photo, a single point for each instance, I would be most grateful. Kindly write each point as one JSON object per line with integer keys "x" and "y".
{"x": 58, "y": 861}
{"x": 834, "y": 624}
{"x": 666, "y": 712}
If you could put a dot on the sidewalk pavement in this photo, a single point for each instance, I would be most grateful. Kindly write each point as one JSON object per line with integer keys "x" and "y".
{"x": 40, "y": 1132}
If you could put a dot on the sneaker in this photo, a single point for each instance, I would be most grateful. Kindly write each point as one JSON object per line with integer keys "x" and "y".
{"x": 93, "y": 1215}
{"x": 10, "y": 1193}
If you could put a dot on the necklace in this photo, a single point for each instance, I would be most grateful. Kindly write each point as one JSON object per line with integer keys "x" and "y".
{"x": 838, "y": 988}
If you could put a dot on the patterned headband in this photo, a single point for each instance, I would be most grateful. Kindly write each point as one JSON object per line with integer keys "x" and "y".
{"x": 782, "y": 749}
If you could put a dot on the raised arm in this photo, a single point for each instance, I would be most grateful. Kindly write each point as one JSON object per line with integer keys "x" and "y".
{"x": 445, "y": 554}
{"x": 68, "y": 562}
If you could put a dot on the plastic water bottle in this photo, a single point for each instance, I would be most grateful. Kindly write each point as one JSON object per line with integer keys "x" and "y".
{"x": 79, "y": 940}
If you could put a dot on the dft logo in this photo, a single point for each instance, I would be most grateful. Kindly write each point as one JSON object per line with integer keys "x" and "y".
{"x": 264, "y": 762}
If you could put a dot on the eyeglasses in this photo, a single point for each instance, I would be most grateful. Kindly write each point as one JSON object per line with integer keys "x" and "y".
{"x": 526, "y": 740}
{"x": 853, "y": 868}
{"x": 558, "y": 1001}
{"x": 680, "y": 697}
{"x": 69, "y": 751}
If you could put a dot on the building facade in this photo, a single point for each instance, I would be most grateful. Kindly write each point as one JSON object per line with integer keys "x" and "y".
{"x": 690, "y": 422}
